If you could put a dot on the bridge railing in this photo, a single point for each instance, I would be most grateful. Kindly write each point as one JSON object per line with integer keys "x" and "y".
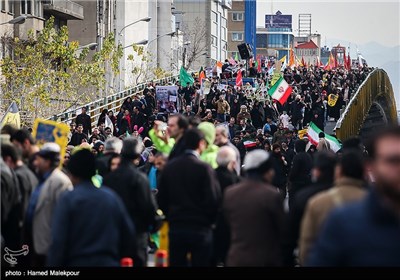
{"x": 111, "y": 102}
{"x": 352, "y": 119}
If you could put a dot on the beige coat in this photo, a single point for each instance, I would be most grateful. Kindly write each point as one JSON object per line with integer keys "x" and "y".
{"x": 345, "y": 190}
{"x": 222, "y": 107}
{"x": 55, "y": 184}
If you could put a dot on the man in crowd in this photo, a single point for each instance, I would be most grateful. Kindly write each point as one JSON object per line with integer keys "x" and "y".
{"x": 134, "y": 189}
{"x": 85, "y": 121}
{"x": 189, "y": 195}
{"x": 52, "y": 183}
{"x": 349, "y": 186}
{"x": 78, "y": 136}
{"x": 254, "y": 213}
{"x": 91, "y": 226}
{"x": 226, "y": 174}
{"x": 112, "y": 147}
{"x": 170, "y": 140}
{"x": 221, "y": 140}
{"x": 366, "y": 233}
{"x": 23, "y": 140}
{"x": 322, "y": 177}
{"x": 223, "y": 108}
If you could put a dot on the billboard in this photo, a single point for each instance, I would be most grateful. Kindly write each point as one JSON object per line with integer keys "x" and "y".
{"x": 278, "y": 21}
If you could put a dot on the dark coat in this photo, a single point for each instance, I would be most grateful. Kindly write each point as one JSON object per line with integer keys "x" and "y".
{"x": 254, "y": 213}
{"x": 366, "y": 233}
{"x": 86, "y": 122}
{"x": 189, "y": 193}
{"x": 296, "y": 213}
{"x": 300, "y": 174}
{"x": 222, "y": 237}
{"x": 134, "y": 189}
{"x": 91, "y": 227}
{"x": 77, "y": 138}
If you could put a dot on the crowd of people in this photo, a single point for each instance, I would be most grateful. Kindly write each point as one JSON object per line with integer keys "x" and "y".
{"x": 220, "y": 171}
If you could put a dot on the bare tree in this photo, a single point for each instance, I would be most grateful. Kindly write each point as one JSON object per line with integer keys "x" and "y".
{"x": 197, "y": 35}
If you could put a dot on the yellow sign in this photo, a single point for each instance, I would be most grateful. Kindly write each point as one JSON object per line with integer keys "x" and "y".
{"x": 45, "y": 131}
{"x": 332, "y": 99}
{"x": 12, "y": 117}
{"x": 302, "y": 133}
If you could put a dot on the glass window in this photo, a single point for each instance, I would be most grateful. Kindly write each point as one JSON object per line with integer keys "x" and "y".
{"x": 223, "y": 22}
{"x": 3, "y": 5}
{"x": 223, "y": 33}
{"x": 214, "y": 16}
{"x": 26, "y": 7}
{"x": 261, "y": 41}
{"x": 11, "y": 6}
{"x": 237, "y": 16}
{"x": 237, "y": 36}
{"x": 214, "y": 40}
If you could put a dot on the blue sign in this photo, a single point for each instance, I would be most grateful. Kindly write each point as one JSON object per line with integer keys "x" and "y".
{"x": 278, "y": 21}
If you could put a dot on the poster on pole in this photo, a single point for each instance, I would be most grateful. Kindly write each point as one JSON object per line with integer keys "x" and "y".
{"x": 167, "y": 98}
{"x": 205, "y": 86}
{"x": 45, "y": 131}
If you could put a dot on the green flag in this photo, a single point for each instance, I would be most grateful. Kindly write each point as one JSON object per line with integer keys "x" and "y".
{"x": 185, "y": 78}
{"x": 236, "y": 57}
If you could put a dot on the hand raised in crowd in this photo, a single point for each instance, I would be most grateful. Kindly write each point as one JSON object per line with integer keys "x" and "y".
{"x": 161, "y": 133}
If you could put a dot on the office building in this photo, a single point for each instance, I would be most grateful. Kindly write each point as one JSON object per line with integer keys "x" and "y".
{"x": 210, "y": 16}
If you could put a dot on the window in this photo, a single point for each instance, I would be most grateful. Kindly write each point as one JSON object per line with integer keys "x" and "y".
{"x": 26, "y": 7}
{"x": 11, "y": 6}
{"x": 214, "y": 16}
{"x": 214, "y": 40}
{"x": 223, "y": 33}
{"x": 3, "y": 5}
{"x": 237, "y": 16}
{"x": 237, "y": 36}
{"x": 224, "y": 46}
{"x": 223, "y": 22}
{"x": 234, "y": 54}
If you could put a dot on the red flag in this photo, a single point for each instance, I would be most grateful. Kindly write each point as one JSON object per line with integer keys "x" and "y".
{"x": 259, "y": 65}
{"x": 303, "y": 62}
{"x": 239, "y": 80}
{"x": 348, "y": 62}
{"x": 336, "y": 62}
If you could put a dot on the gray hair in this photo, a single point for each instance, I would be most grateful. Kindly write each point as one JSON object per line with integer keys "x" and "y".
{"x": 224, "y": 130}
{"x": 225, "y": 156}
{"x": 113, "y": 144}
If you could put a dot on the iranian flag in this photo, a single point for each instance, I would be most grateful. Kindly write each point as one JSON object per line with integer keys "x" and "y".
{"x": 249, "y": 143}
{"x": 313, "y": 132}
{"x": 280, "y": 90}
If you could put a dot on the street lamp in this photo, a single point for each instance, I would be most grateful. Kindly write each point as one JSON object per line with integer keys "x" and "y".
{"x": 91, "y": 46}
{"x": 187, "y": 43}
{"x": 146, "y": 19}
{"x": 18, "y": 20}
{"x": 147, "y": 42}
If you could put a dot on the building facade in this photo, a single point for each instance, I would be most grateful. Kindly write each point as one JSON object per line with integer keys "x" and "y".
{"x": 236, "y": 27}
{"x": 197, "y": 15}
{"x": 309, "y": 52}
{"x": 277, "y": 35}
{"x": 242, "y": 26}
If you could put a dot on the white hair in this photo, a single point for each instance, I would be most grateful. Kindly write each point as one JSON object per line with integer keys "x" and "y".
{"x": 225, "y": 156}
{"x": 113, "y": 144}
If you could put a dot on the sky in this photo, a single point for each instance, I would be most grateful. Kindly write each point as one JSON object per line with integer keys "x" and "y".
{"x": 356, "y": 21}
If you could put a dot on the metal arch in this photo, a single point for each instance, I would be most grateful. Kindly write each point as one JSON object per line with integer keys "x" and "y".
{"x": 375, "y": 88}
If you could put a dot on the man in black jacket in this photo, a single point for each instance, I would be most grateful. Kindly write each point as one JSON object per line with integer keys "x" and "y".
{"x": 134, "y": 189}
{"x": 189, "y": 195}
{"x": 84, "y": 120}
{"x": 323, "y": 177}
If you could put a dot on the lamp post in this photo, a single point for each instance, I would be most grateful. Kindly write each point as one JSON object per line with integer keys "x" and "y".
{"x": 91, "y": 46}
{"x": 147, "y": 42}
{"x": 18, "y": 20}
{"x": 187, "y": 43}
{"x": 145, "y": 19}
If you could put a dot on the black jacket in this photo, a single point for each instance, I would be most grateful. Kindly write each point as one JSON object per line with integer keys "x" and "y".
{"x": 189, "y": 193}
{"x": 296, "y": 212}
{"x": 134, "y": 189}
{"x": 86, "y": 122}
{"x": 77, "y": 138}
